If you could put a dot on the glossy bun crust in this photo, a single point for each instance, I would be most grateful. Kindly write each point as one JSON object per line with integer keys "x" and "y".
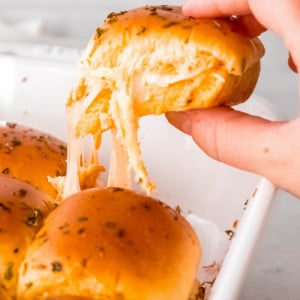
{"x": 168, "y": 62}
{"x": 31, "y": 155}
{"x": 23, "y": 209}
{"x": 111, "y": 244}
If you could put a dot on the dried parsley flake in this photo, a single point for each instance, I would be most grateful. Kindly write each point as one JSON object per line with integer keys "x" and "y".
{"x": 5, "y": 171}
{"x": 33, "y": 219}
{"x": 141, "y": 31}
{"x": 100, "y": 31}
{"x": 230, "y": 233}
{"x": 8, "y": 274}
{"x": 56, "y": 266}
{"x": 170, "y": 24}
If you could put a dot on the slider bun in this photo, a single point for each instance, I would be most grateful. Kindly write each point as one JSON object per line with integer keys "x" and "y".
{"x": 31, "y": 155}
{"x": 111, "y": 244}
{"x": 166, "y": 62}
{"x": 22, "y": 211}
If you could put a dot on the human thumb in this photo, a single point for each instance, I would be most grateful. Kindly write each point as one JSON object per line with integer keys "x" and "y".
{"x": 240, "y": 140}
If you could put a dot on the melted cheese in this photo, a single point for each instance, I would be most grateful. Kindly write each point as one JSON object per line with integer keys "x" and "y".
{"x": 83, "y": 169}
{"x": 112, "y": 93}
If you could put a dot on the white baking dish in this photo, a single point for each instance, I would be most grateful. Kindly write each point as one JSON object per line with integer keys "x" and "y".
{"x": 33, "y": 93}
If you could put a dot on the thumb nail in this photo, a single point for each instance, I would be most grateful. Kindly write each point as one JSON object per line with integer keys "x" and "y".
{"x": 181, "y": 121}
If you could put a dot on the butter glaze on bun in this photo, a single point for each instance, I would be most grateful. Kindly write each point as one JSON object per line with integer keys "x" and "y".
{"x": 151, "y": 60}
{"x": 22, "y": 211}
{"x": 31, "y": 155}
{"x": 111, "y": 244}
{"x": 172, "y": 62}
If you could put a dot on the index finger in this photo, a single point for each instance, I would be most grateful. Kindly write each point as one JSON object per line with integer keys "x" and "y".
{"x": 281, "y": 16}
{"x": 217, "y": 8}
{"x": 209, "y": 8}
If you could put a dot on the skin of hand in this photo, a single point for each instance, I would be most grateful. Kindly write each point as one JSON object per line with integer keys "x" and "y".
{"x": 270, "y": 149}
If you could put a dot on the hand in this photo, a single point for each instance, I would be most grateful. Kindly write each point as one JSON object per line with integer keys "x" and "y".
{"x": 270, "y": 149}
{"x": 281, "y": 16}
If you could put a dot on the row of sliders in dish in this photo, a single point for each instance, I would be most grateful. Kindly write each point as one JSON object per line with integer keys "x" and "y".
{"x": 100, "y": 242}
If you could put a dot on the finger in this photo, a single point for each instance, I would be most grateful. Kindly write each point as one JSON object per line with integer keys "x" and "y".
{"x": 222, "y": 133}
{"x": 208, "y": 8}
{"x": 283, "y": 17}
{"x": 243, "y": 141}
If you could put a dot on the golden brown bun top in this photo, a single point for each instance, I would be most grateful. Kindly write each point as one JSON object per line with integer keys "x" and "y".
{"x": 31, "y": 155}
{"x": 23, "y": 209}
{"x": 117, "y": 244}
{"x": 221, "y": 37}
